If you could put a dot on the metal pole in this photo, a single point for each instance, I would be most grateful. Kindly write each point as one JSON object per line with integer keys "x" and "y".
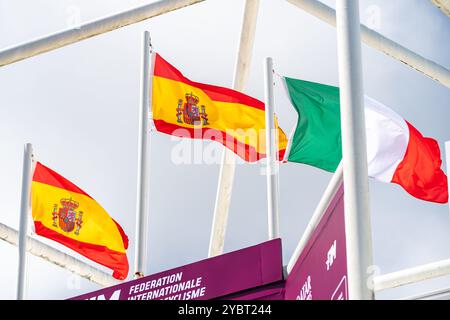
{"x": 228, "y": 166}
{"x": 90, "y": 29}
{"x": 441, "y": 294}
{"x": 412, "y": 275}
{"x": 321, "y": 208}
{"x": 25, "y": 202}
{"x": 271, "y": 166}
{"x": 143, "y": 174}
{"x": 443, "y": 5}
{"x": 381, "y": 43}
{"x": 52, "y": 255}
{"x": 354, "y": 152}
{"x": 447, "y": 159}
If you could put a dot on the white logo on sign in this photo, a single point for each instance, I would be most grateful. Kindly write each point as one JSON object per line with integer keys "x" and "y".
{"x": 331, "y": 255}
{"x": 341, "y": 292}
{"x": 306, "y": 292}
{"x": 114, "y": 296}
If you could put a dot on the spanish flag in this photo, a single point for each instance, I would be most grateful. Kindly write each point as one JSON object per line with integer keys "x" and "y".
{"x": 185, "y": 108}
{"x": 64, "y": 213}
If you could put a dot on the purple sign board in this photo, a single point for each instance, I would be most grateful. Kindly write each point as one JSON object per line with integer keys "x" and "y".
{"x": 274, "y": 291}
{"x": 211, "y": 278}
{"x": 320, "y": 272}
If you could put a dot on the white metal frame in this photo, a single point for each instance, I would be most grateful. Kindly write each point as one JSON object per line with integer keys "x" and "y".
{"x": 119, "y": 20}
{"x": 314, "y": 7}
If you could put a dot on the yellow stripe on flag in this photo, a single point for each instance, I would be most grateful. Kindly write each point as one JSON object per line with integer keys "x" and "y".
{"x": 97, "y": 226}
{"x": 245, "y": 123}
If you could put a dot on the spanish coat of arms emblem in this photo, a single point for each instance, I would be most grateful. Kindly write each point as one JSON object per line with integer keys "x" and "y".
{"x": 66, "y": 217}
{"x": 189, "y": 112}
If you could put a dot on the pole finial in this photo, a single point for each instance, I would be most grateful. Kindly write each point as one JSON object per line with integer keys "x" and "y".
{"x": 149, "y": 38}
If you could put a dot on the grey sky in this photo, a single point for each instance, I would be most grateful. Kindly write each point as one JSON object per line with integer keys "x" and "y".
{"x": 79, "y": 107}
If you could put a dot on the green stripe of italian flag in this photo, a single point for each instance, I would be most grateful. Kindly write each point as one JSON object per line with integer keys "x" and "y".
{"x": 396, "y": 151}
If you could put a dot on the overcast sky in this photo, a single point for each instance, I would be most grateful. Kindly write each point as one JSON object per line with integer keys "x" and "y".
{"x": 79, "y": 107}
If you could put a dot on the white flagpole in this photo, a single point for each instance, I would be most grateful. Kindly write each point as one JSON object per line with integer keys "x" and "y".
{"x": 25, "y": 202}
{"x": 143, "y": 175}
{"x": 447, "y": 158}
{"x": 271, "y": 166}
{"x": 228, "y": 166}
{"x": 354, "y": 153}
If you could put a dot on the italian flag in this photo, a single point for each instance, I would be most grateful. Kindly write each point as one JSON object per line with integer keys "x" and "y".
{"x": 396, "y": 151}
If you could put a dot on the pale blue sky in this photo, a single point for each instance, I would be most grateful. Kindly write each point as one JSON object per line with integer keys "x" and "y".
{"x": 79, "y": 107}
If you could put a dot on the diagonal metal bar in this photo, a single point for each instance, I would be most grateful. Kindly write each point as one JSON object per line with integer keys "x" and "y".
{"x": 90, "y": 29}
{"x": 41, "y": 250}
{"x": 412, "y": 275}
{"x": 443, "y": 5}
{"x": 381, "y": 43}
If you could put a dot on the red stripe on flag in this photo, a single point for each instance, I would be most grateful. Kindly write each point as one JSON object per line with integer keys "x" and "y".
{"x": 420, "y": 172}
{"x": 245, "y": 151}
{"x": 166, "y": 70}
{"x": 46, "y": 175}
{"x": 125, "y": 239}
{"x": 114, "y": 260}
